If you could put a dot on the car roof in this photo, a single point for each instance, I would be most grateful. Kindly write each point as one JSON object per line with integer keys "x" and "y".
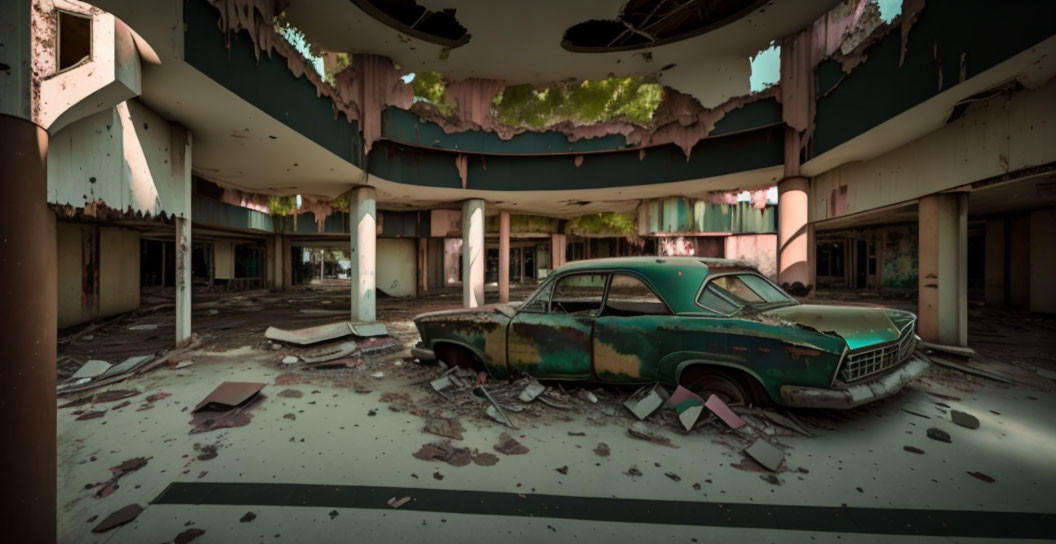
{"x": 644, "y": 264}
{"x": 676, "y": 279}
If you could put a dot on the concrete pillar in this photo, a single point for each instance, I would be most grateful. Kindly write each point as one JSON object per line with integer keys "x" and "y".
{"x": 994, "y": 270}
{"x": 423, "y": 266}
{"x": 557, "y": 250}
{"x": 364, "y": 228}
{"x": 183, "y": 280}
{"x": 28, "y": 294}
{"x": 943, "y": 269}
{"x": 795, "y": 253}
{"x": 472, "y": 252}
{"x": 504, "y": 257}
{"x": 28, "y": 282}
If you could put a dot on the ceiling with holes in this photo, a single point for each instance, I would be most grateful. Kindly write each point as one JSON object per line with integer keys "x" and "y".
{"x": 700, "y": 47}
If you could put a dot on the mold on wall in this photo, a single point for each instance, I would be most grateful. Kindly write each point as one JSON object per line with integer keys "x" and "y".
{"x": 758, "y": 250}
{"x": 900, "y": 258}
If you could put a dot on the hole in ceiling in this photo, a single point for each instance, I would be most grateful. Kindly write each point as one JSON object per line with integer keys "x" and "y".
{"x": 439, "y": 27}
{"x": 648, "y": 23}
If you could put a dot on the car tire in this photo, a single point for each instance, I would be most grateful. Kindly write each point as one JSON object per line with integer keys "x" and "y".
{"x": 705, "y": 381}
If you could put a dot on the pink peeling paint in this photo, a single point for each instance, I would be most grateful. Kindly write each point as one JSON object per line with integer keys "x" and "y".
{"x": 720, "y": 409}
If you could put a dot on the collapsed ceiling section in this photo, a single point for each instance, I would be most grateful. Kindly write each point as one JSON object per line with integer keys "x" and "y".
{"x": 438, "y": 27}
{"x": 650, "y": 23}
{"x": 369, "y": 83}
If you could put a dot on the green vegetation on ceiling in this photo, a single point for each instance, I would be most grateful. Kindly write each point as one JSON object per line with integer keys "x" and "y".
{"x": 282, "y": 205}
{"x": 633, "y": 99}
{"x": 603, "y": 223}
{"x": 430, "y": 87}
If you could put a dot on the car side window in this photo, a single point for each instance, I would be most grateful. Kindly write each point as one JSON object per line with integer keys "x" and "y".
{"x": 712, "y": 300}
{"x": 578, "y": 294}
{"x": 539, "y": 302}
{"x": 629, "y": 296}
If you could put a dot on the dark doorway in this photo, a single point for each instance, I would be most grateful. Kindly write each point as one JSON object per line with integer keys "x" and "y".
{"x": 861, "y": 259}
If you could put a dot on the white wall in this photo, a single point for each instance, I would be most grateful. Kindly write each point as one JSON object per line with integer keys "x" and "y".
{"x": 126, "y": 157}
{"x": 994, "y": 137}
{"x": 397, "y": 266}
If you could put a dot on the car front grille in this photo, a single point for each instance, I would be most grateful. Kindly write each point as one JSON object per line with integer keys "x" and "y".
{"x": 862, "y": 364}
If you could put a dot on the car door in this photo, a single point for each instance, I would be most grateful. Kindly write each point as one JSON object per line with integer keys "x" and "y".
{"x": 551, "y": 334}
{"x": 635, "y": 331}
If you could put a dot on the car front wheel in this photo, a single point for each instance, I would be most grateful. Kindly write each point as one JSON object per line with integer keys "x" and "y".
{"x": 725, "y": 385}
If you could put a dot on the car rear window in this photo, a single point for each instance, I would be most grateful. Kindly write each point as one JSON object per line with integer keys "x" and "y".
{"x": 728, "y": 293}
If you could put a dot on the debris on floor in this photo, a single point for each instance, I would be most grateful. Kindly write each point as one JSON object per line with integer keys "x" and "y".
{"x": 445, "y": 427}
{"x": 646, "y": 400}
{"x": 226, "y": 407}
{"x": 964, "y": 419}
{"x": 510, "y": 446}
{"x": 188, "y": 536}
{"x": 117, "y": 472}
{"x": 396, "y": 503}
{"x": 720, "y": 409}
{"x": 323, "y": 333}
{"x": 644, "y": 432}
{"x": 935, "y": 433}
{"x": 247, "y": 517}
{"x": 331, "y": 354}
{"x": 689, "y": 406}
{"x": 118, "y": 518}
{"x": 456, "y": 457}
{"x": 531, "y": 391}
{"x": 90, "y": 370}
{"x": 981, "y": 476}
{"x": 229, "y": 395}
{"x": 765, "y": 454}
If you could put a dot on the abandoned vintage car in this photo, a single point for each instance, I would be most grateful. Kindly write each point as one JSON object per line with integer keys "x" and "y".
{"x": 715, "y": 326}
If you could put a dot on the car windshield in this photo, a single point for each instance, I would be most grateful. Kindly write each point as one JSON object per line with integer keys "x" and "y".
{"x": 729, "y": 293}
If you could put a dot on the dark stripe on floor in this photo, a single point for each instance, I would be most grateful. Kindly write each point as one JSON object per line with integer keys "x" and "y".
{"x": 889, "y": 521}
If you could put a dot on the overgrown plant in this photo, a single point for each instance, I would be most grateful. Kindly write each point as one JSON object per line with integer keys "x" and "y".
{"x": 603, "y": 223}
{"x": 633, "y": 99}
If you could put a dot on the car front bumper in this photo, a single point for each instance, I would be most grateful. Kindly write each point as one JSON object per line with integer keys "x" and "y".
{"x": 857, "y": 394}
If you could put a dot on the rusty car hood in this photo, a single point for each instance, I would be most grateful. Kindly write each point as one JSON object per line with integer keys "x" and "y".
{"x": 505, "y": 309}
{"x": 859, "y": 326}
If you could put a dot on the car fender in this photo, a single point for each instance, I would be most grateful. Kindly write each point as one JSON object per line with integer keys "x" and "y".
{"x": 476, "y": 352}
{"x": 676, "y": 363}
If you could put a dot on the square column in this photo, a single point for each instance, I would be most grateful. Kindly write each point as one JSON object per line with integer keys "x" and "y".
{"x": 795, "y": 249}
{"x": 472, "y": 252}
{"x": 557, "y": 251}
{"x": 504, "y": 257}
{"x": 364, "y": 231}
{"x": 943, "y": 269}
{"x": 183, "y": 280}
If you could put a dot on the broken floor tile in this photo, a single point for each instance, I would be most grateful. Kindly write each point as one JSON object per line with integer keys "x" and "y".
{"x": 531, "y": 391}
{"x": 229, "y": 395}
{"x": 290, "y": 360}
{"x": 766, "y": 454}
{"x": 965, "y": 420}
{"x": 646, "y": 400}
{"x": 720, "y": 409}
{"x": 91, "y": 369}
{"x": 117, "y": 518}
{"x": 127, "y": 365}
